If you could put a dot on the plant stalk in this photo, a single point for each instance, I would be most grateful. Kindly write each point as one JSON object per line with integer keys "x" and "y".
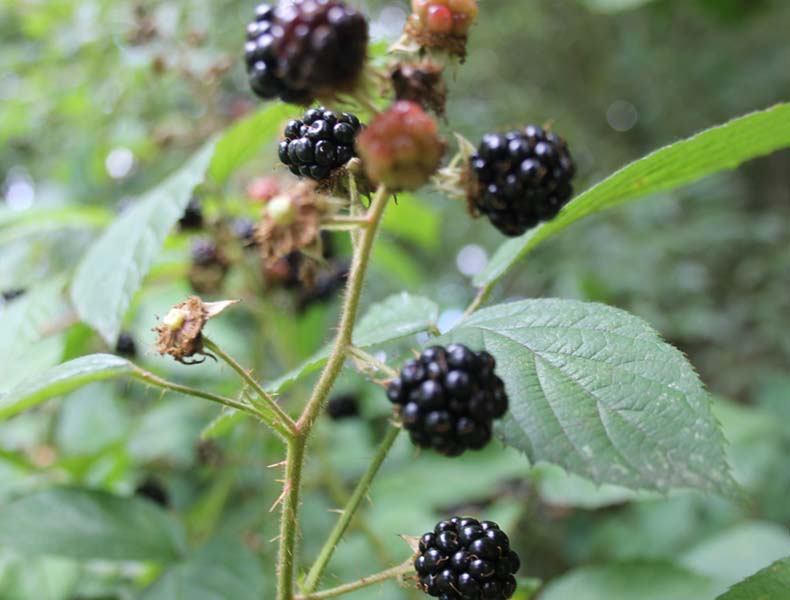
{"x": 364, "y": 582}
{"x": 317, "y": 570}
{"x": 332, "y": 369}
{"x": 283, "y": 421}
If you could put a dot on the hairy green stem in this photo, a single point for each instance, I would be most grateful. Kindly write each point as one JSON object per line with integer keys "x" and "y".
{"x": 281, "y": 422}
{"x": 317, "y": 570}
{"x": 332, "y": 369}
{"x": 286, "y": 560}
{"x": 393, "y": 573}
{"x": 152, "y": 379}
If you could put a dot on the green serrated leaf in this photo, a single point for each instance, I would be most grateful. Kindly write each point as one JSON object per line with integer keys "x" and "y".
{"x": 629, "y": 580}
{"x": 246, "y": 137}
{"x": 60, "y": 380}
{"x": 596, "y": 391}
{"x": 113, "y": 269}
{"x": 220, "y": 569}
{"x": 717, "y": 149}
{"x": 772, "y": 583}
{"x": 396, "y": 317}
{"x": 84, "y": 524}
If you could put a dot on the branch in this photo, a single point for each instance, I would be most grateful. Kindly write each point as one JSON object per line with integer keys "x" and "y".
{"x": 393, "y": 573}
{"x": 281, "y": 421}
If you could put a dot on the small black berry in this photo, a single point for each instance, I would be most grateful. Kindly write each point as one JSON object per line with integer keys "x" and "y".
{"x": 125, "y": 345}
{"x": 9, "y": 295}
{"x": 319, "y": 143}
{"x": 521, "y": 178}
{"x": 193, "y": 215}
{"x": 152, "y": 490}
{"x": 304, "y": 48}
{"x": 448, "y": 398}
{"x": 343, "y": 407}
{"x": 460, "y": 560}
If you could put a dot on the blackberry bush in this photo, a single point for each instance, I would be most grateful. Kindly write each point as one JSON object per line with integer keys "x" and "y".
{"x": 521, "y": 178}
{"x": 319, "y": 143}
{"x": 301, "y": 50}
{"x": 465, "y": 559}
{"x": 448, "y": 398}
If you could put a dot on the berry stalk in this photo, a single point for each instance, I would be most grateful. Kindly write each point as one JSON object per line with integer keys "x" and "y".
{"x": 317, "y": 570}
{"x": 393, "y": 573}
{"x": 334, "y": 365}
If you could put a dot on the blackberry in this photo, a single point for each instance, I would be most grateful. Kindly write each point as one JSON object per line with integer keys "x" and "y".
{"x": 327, "y": 284}
{"x": 401, "y": 147}
{"x": 318, "y": 143}
{"x": 521, "y": 178}
{"x": 303, "y": 49}
{"x": 448, "y": 398}
{"x": 209, "y": 267}
{"x": 9, "y": 295}
{"x": 193, "y": 215}
{"x": 125, "y": 345}
{"x": 343, "y": 407}
{"x": 464, "y": 559}
{"x": 244, "y": 230}
{"x": 153, "y": 491}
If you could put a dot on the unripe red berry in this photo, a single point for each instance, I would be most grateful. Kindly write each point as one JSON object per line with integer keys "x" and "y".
{"x": 401, "y": 147}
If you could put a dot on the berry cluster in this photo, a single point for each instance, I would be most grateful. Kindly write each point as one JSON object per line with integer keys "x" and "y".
{"x": 448, "y": 398}
{"x": 464, "y": 559}
{"x": 298, "y": 51}
{"x": 401, "y": 148}
{"x": 521, "y": 178}
{"x": 445, "y": 17}
{"x": 209, "y": 266}
{"x": 318, "y": 143}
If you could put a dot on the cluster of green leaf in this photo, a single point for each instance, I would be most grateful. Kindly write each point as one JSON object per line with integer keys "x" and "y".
{"x": 609, "y": 415}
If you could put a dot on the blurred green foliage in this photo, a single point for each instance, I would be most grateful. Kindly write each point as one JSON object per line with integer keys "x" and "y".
{"x": 102, "y": 99}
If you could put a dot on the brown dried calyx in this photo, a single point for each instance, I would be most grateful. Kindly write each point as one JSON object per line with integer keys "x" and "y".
{"x": 421, "y": 83}
{"x": 291, "y": 221}
{"x": 181, "y": 330}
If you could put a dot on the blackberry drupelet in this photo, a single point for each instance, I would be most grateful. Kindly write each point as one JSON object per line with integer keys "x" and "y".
{"x": 521, "y": 178}
{"x": 465, "y": 559}
{"x": 125, "y": 345}
{"x": 344, "y": 406}
{"x": 448, "y": 398}
{"x": 303, "y": 49}
{"x": 318, "y": 143}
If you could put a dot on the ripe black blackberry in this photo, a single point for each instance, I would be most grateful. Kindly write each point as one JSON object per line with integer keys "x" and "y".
{"x": 326, "y": 286}
{"x": 465, "y": 559}
{"x": 318, "y": 143}
{"x": 344, "y": 406}
{"x": 303, "y": 49}
{"x": 448, "y": 398}
{"x": 193, "y": 215}
{"x": 125, "y": 345}
{"x": 521, "y": 178}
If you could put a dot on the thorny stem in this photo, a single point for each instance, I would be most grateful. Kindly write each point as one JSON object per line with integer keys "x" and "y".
{"x": 314, "y": 576}
{"x": 372, "y": 361}
{"x": 152, "y": 379}
{"x": 393, "y": 573}
{"x": 283, "y": 421}
{"x": 334, "y": 365}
